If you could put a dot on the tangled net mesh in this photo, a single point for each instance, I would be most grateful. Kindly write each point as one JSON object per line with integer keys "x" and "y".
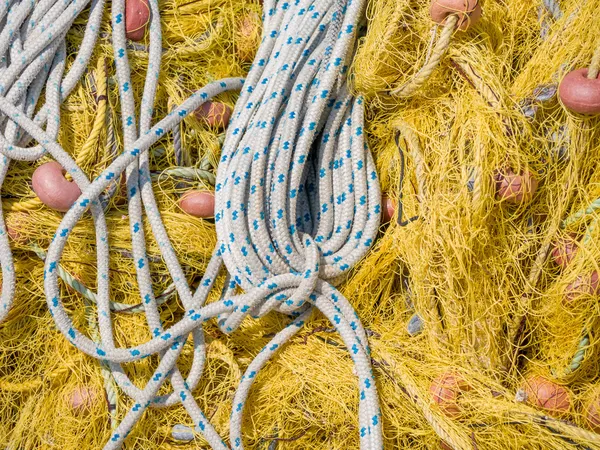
{"x": 475, "y": 269}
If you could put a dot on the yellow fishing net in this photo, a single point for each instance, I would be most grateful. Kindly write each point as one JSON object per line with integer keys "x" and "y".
{"x": 462, "y": 301}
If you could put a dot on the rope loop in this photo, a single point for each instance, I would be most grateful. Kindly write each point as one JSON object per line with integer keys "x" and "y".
{"x": 287, "y": 293}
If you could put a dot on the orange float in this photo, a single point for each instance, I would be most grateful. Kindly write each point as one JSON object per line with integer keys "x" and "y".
{"x": 215, "y": 114}
{"x": 515, "y": 188}
{"x": 565, "y": 250}
{"x": 388, "y": 209}
{"x": 547, "y": 395}
{"x": 468, "y": 12}
{"x": 580, "y": 94}
{"x": 445, "y": 391}
{"x": 137, "y": 17}
{"x": 583, "y": 285}
{"x": 198, "y": 203}
{"x": 82, "y": 399}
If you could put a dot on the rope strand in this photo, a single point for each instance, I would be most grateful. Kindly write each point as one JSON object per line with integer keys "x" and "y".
{"x": 440, "y": 49}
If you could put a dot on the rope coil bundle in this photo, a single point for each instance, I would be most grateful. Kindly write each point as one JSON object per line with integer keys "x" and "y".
{"x": 316, "y": 225}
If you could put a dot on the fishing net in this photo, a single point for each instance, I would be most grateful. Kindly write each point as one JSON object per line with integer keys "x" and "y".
{"x": 480, "y": 339}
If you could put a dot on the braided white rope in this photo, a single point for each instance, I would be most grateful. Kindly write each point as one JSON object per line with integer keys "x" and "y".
{"x": 31, "y": 58}
{"x": 297, "y": 196}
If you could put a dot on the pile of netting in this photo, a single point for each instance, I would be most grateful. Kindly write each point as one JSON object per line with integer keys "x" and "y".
{"x": 479, "y": 296}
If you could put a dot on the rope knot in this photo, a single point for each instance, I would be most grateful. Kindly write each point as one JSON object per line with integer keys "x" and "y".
{"x": 289, "y": 293}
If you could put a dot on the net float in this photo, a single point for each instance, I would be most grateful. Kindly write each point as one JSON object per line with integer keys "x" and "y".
{"x": 592, "y": 412}
{"x": 82, "y": 399}
{"x": 580, "y": 94}
{"x": 445, "y": 391}
{"x": 13, "y": 233}
{"x": 198, "y": 204}
{"x": 137, "y": 17}
{"x": 389, "y": 209}
{"x": 565, "y": 250}
{"x": 215, "y": 114}
{"x": 545, "y": 394}
{"x": 15, "y": 222}
{"x": 248, "y": 36}
{"x": 583, "y": 284}
{"x": 445, "y": 446}
{"x": 52, "y": 188}
{"x": 468, "y": 12}
{"x": 515, "y": 188}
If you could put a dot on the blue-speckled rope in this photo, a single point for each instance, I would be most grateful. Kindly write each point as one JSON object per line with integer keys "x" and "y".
{"x": 297, "y": 199}
{"x": 37, "y": 59}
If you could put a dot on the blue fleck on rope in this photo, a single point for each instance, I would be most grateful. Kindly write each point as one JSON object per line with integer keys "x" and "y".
{"x": 297, "y": 196}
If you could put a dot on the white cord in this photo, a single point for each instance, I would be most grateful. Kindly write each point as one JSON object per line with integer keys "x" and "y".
{"x": 297, "y": 196}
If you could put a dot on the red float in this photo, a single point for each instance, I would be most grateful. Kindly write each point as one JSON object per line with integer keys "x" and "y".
{"x": 52, "y": 188}
{"x": 548, "y": 395}
{"x": 468, "y": 12}
{"x": 580, "y": 94}
{"x": 215, "y": 114}
{"x": 515, "y": 188}
{"x": 198, "y": 204}
{"x": 137, "y": 17}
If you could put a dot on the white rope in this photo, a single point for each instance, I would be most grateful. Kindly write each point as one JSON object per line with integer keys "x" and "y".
{"x": 36, "y": 60}
{"x": 297, "y": 196}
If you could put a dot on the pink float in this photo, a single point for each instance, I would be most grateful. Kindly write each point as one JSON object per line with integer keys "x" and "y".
{"x": 580, "y": 94}
{"x": 52, "y": 188}
{"x": 198, "y": 204}
{"x": 468, "y": 12}
{"x": 137, "y": 16}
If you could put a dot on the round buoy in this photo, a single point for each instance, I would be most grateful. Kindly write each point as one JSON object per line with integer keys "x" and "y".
{"x": 583, "y": 285}
{"x": 579, "y": 93}
{"x": 15, "y": 221}
{"x": 248, "y": 36}
{"x": 388, "y": 209}
{"x": 468, "y": 11}
{"x": 592, "y": 412}
{"x": 52, "y": 188}
{"x": 445, "y": 391}
{"x": 565, "y": 250}
{"x": 515, "y": 188}
{"x": 137, "y": 17}
{"x": 198, "y": 203}
{"x": 545, "y": 394}
{"x": 215, "y": 114}
{"x": 82, "y": 399}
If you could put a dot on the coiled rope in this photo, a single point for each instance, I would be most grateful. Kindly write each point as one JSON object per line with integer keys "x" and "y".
{"x": 297, "y": 195}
